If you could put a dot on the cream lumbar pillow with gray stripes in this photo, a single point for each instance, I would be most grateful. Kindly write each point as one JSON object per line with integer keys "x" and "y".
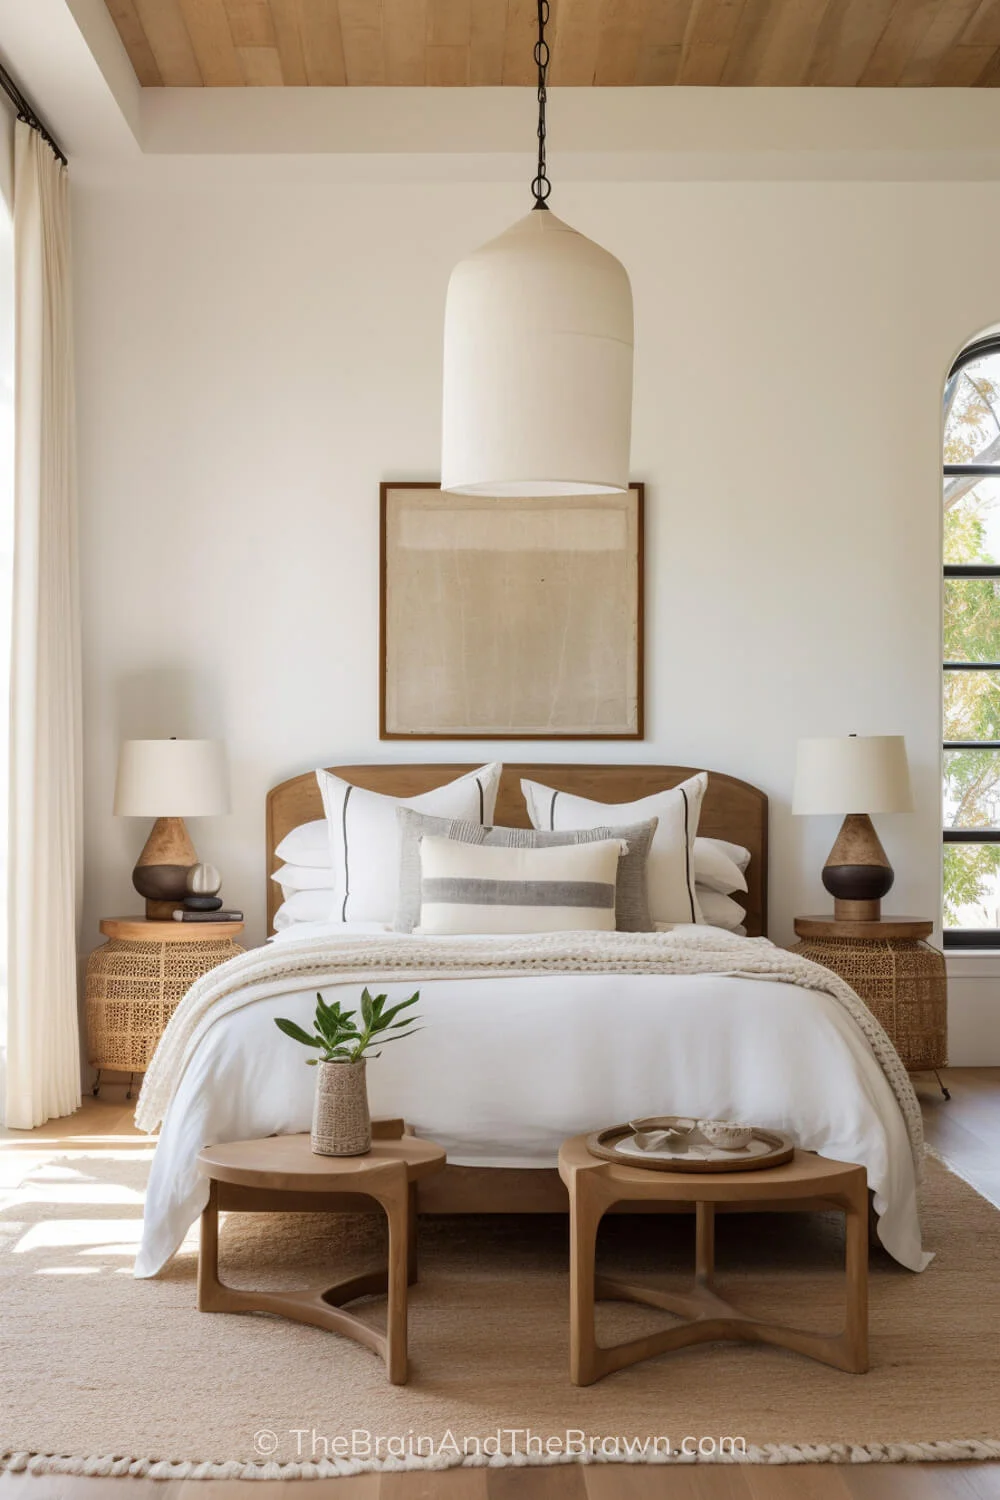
{"x": 631, "y": 899}
{"x": 478, "y": 888}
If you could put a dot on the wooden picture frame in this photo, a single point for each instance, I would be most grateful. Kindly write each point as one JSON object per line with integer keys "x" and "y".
{"x": 455, "y": 664}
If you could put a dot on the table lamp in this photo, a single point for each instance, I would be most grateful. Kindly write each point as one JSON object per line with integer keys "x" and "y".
{"x": 856, "y": 775}
{"x": 169, "y": 780}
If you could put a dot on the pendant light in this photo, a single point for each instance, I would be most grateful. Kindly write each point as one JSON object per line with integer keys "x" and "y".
{"x": 537, "y": 355}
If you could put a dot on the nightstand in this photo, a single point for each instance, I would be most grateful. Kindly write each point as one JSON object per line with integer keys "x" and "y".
{"x": 137, "y": 978}
{"x": 898, "y": 975}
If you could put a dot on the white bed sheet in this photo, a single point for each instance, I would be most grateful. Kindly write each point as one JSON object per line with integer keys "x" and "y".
{"x": 506, "y": 1068}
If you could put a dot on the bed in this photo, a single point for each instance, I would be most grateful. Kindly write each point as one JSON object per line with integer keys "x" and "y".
{"x": 709, "y": 1043}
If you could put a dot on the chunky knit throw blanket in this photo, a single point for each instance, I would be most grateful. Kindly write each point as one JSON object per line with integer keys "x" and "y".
{"x": 293, "y": 964}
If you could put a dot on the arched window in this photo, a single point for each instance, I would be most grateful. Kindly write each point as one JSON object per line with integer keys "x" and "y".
{"x": 972, "y": 647}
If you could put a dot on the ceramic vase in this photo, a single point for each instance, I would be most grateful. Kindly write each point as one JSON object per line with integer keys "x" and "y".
{"x": 341, "y": 1123}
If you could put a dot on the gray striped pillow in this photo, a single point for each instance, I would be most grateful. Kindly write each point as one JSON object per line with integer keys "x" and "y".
{"x": 632, "y": 912}
{"x": 476, "y": 888}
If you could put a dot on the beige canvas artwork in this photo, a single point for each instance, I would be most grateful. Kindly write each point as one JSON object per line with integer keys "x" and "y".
{"x": 511, "y": 618}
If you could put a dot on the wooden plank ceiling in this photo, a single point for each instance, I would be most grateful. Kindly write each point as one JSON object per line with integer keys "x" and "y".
{"x": 874, "y": 43}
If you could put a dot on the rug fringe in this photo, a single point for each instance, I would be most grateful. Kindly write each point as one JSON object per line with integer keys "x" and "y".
{"x": 114, "y": 1466}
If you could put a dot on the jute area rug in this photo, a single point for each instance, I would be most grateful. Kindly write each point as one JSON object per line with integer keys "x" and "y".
{"x": 100, "y": 1373}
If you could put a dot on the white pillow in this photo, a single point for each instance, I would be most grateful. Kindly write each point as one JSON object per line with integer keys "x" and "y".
{"x": 736, "y": 852}
{"x": 304, "y": 906}
{"x": 721, "y": 911}
{"x": 328, "y": 931}
{"x": 719, "y": 866}
{"x": 304, "y": 878}
{"x": 364, "y": 836}
{"x": 671, "y": 856}
{"x": 309, "y": 844}
{"x": 483, "y": 888}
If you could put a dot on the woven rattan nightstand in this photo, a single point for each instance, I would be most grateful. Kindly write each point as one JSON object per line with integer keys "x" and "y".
{"x": 135, "y": 981}
{"x": 898, "y": 975}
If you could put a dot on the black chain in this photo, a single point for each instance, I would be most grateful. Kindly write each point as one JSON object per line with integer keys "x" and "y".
{"x": 541, "y": 186}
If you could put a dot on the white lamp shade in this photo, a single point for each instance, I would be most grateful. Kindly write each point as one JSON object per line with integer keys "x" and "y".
{"x": 853, "y": 774}
{"x": 172, "y": 779}
{"x": 537, "y": 366}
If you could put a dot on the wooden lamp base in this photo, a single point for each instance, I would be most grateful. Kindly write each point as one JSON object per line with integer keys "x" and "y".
{"x": 161, "y": 871}
{"x": 857, "y": 872}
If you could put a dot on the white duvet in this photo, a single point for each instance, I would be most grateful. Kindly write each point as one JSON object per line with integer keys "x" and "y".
{"x": 507, "y": 1067}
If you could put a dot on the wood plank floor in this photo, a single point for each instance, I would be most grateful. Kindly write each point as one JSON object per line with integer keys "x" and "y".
{"x": 566, "y": 1482}
{"x": 965, "y": 1131}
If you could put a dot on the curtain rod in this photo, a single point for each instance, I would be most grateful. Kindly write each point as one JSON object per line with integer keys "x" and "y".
{"x": 27, "y": 114}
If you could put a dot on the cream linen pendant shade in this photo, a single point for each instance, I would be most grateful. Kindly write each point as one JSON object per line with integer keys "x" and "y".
{"x": 537, "y": 355}
{"x": 537, "y": 366}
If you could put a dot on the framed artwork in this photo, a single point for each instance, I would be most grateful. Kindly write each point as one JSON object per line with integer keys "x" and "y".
{"x": 510, "y": 619}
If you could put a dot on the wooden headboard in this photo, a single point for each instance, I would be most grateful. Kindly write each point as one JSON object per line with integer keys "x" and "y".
{"x": 732, "y": 809}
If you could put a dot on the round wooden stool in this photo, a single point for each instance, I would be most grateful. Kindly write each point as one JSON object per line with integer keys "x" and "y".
{"x": 286, "y": 1164}
{"x": 807, "y": 1183}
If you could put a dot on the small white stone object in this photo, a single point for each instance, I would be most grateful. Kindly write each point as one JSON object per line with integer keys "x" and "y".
{"x": 203, "y": 880}
{"x": 726, "y": 1134}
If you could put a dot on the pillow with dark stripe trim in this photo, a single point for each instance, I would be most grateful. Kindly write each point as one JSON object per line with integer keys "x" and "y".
{"x": 671, "y": 858}
{"x": 364, "y": 838}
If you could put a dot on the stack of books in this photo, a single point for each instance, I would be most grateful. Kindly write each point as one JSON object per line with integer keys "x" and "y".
{"x": 181, "y": 915}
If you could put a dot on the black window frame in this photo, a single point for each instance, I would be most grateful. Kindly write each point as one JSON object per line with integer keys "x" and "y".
{"x": 971, "y": 937}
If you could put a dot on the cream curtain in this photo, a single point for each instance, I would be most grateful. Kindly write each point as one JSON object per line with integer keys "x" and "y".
{"x": 43, "y": 1044}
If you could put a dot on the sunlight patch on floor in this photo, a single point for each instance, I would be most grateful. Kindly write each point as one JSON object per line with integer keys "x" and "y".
{"x": 15, "y": 1168}
{"x": 109, "y": 1250}
{"x": 58, "y": 1233}
{"x": 53, "y": 1172}
{"x": 88, "y": 1192}
{"x": 69, "y": 1143}
{"x": 68, "y": 1271}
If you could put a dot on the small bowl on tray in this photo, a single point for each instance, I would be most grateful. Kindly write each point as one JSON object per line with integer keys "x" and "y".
{"x": 727, "y": 1135}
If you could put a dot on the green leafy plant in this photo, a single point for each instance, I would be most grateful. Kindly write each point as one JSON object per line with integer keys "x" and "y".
{"x": 340, "y": 1037}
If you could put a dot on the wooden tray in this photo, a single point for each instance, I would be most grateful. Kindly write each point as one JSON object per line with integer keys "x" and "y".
{"x": 603, "y": 1143}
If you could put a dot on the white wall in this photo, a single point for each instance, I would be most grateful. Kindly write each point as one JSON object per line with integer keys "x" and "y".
{"x": 257, "y": 353}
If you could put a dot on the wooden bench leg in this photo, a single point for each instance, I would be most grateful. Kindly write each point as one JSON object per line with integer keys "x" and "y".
{"x": 397, "y": 1200}
{"x": 411, "y": 1238}
{"x": 704, "y": 1252}
{"x": 585, "y": 1215}
{"x": 208, "y": 1254}
{"x": 323, "y": 1307}
{"x": 706, "y": 1316}
{"x": 856, "y": 1268}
